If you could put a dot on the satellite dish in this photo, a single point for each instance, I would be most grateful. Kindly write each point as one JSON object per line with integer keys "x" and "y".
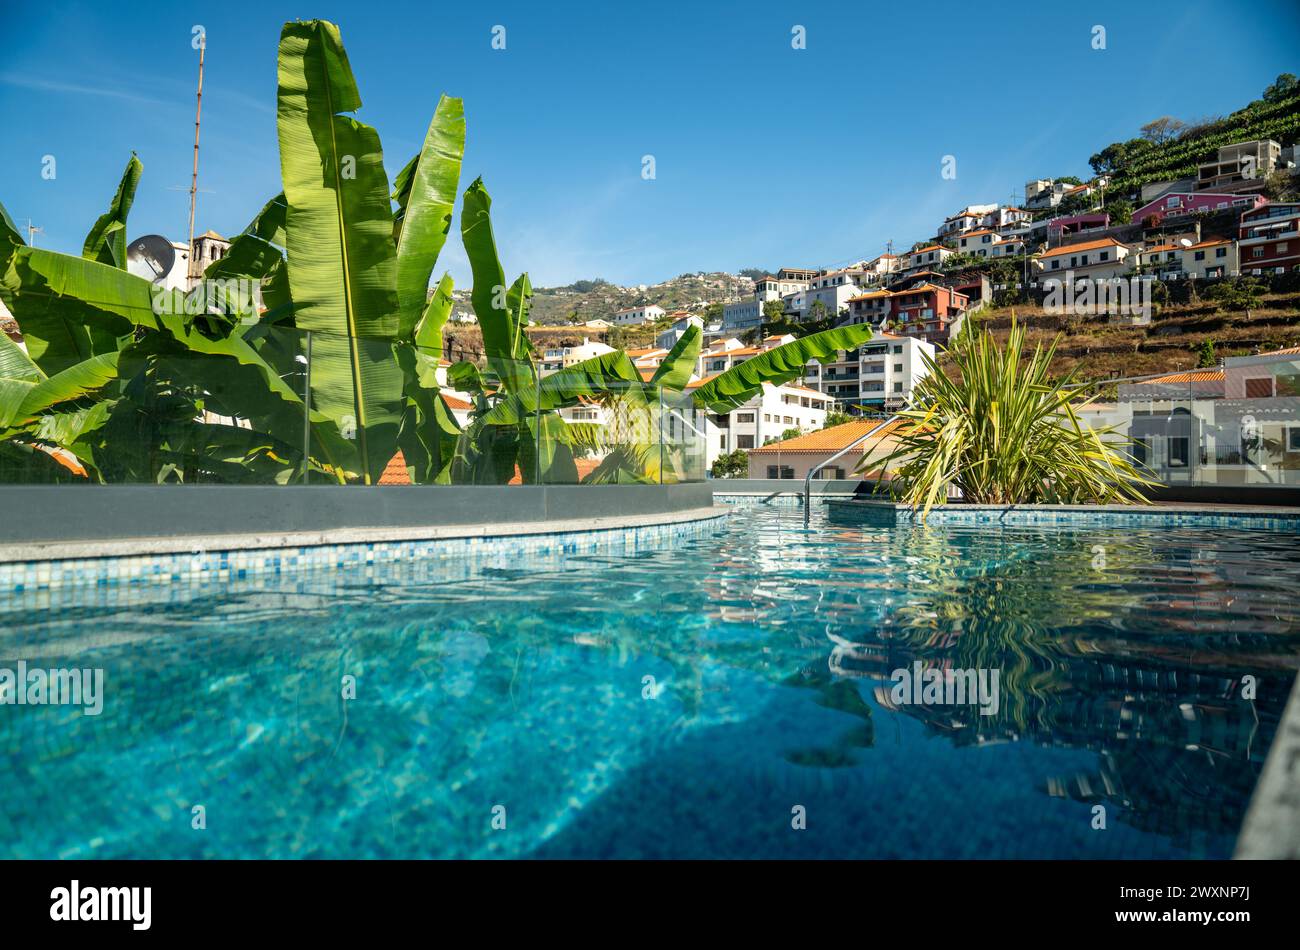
{"x": 150, "y": 257}
{"x": 1184, "y": 242}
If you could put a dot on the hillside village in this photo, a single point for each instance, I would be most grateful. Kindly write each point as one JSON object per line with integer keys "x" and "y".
{"x": 1140, "y": 275}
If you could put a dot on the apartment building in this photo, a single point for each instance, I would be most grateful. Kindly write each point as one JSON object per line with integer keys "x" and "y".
{"x": 1178, "y": 203}
{"x": 776, "y": 409}
{"x": 1241, "y": 161}
{"x": 741, "y": 315}
{"x": 932, "y": 255}
{"x": 636, "y": 316}
{"x": 988, "y": 243}
{"x": 1211, "y": 258}
{"x": 774, "y": 288}
{"x": 1043, "y": 193}
{"x": 880, "y": 374}
{"x": 1103, "y": 258}
{"x": 930, "y": 312}
{"x": 1269, "y": 238}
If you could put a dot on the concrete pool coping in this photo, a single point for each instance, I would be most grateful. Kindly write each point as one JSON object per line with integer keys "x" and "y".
{"x": 249, "y": 541}
{"x": 1271, "y": 830}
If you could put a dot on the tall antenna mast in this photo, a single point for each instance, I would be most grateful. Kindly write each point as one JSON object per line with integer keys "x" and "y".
{"x": 32, "y": 231}
{"x": 194, "y": 181}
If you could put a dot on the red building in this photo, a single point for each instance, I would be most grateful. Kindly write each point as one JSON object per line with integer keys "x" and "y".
{"x": 928, "y": 311}
{"x": 1269, "y": 238}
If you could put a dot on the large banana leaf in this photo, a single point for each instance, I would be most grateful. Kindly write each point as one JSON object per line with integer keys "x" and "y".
{"x": 15, "y": 363}
{"x": 70, "y": 308}
{"x": 106, "y": 241}
{"x": 426, "y": 195}
{"x": 428, "y": 332}
{"x": 339, "y": 224}
{"x": 776, "y": 366}
{"x": 497, "y": 320}
{"x": 9, "y": 237}
{"x": 675, "y": 371}
{"x": 269, "y": 222}
{"x": 610, "y": 374}
{"x": 72, "y": 383}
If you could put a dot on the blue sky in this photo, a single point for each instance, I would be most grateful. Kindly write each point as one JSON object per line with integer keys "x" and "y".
{"x": 765, "y": 155}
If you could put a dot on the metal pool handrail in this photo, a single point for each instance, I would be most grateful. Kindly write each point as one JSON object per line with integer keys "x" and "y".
{"x": 807, "y": 479}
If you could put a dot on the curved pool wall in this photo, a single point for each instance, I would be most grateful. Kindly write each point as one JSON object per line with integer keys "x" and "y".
{"x": 56, "y": 537}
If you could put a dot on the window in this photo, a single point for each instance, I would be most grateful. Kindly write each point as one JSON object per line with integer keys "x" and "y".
{"x": 898, "y": 348}
{"x": 1281, "y": 248}
{"x": 1259, "y": 387}
{"x": 1221, "y": 252}
{"x": 1178, "y": 451}
{"x": 1103, "y": 256}
{"x": 898, "y": 387}
{"x": 1257, "y": 252}
{"x": 722, "y": 441}
{"x": 744, "y": 417}
{"x": 1199, "y": 256}
{"x": 744, "y": 441}
{"x": 772, "y": 471}
{"x": 898, "y": 367}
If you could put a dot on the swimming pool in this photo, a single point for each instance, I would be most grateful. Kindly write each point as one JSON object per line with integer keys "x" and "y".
{"x": 727, "y": 696}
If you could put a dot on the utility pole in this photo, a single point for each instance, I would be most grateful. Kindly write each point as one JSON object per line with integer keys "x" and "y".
{"x": 32, "y": 232}
{"x": 194, "y": 181}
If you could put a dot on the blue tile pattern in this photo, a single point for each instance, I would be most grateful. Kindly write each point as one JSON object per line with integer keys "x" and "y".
{"x": 215, "y": 567}
{"x": 1136, "y": 517}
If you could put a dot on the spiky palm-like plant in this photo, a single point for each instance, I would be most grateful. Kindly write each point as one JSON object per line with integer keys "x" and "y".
{"x": 1002, "y": 431}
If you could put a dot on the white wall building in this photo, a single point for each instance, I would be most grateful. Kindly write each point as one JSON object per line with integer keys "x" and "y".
{"x": 880, "y": 374}
{"x": 636, "y": 316}
{"x": 558, "y": 358}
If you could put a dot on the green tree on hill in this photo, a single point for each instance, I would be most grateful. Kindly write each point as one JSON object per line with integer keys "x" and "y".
{"x": 1205, "y": 355}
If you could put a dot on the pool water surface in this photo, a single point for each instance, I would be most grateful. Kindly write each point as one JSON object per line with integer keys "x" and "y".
{"x": 732, "y": 696}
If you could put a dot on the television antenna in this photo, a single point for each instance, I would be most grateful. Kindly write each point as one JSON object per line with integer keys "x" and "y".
{"x": 32, "y": 231}
{"x": 194, "y": 180}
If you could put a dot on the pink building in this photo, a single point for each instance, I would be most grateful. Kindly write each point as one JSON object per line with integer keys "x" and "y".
{"x": 1182, "y": 202}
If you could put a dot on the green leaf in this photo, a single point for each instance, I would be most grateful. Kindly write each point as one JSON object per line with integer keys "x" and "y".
{"x": 269, "y": 222}
{"x": 426, "y": 196}
{"x": 342, "y": 263}
{"x": 677, "y": 367}
{"x": 496, "y": 321}
{"x": 69, "y": 308}
{"x": 428, "y": 332}
{"x": 15, "y": 363}
{"x": 776, "y": 366}
{"x": 610, "y": 374}
{"x": 106, "y": 241}
{"x": 73, "y": 383}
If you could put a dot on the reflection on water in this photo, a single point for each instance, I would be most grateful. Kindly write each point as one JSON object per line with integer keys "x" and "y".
{"x": 672, "y": 702}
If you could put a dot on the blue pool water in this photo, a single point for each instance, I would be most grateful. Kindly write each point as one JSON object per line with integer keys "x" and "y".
{"x": 677, "y": 702}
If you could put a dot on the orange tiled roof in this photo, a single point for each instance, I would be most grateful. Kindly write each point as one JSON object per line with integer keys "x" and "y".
{"x": 455, "y": 402}
{"x": 395, "y": 471}
{"x": 1083, "y": 246}
{"x": 1192, "y": 376}
{"x": 1282, "y": 352}
{"x": 832, "y": 439}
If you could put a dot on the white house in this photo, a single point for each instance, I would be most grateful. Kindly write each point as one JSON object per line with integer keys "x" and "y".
{"x": 637, "y": 316}
{"x": 558, "y": 358}
{"x": 773, "y": 411}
